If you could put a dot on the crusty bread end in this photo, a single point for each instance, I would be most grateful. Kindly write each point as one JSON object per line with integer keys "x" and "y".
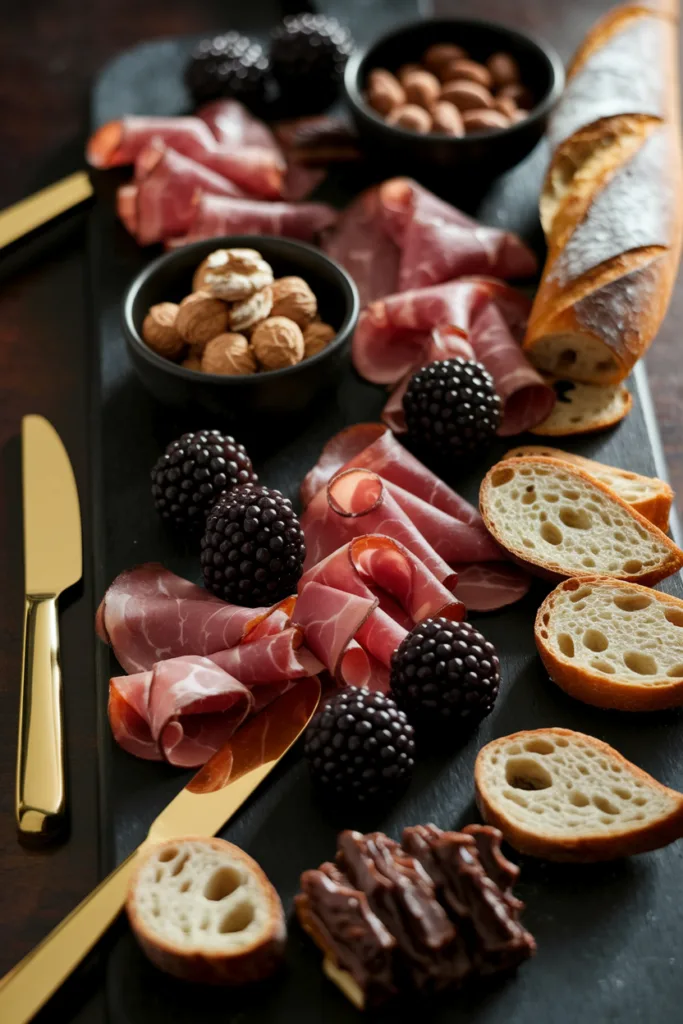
{"x": 584, "y": 408}
{"x": 564, "y": 796}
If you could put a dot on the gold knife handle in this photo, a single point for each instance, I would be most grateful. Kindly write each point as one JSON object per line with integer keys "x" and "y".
{"x": 30, "y": 984}
{"x": 40, "y": 795}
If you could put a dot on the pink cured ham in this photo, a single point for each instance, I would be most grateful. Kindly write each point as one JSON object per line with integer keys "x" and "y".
{"x": 166, "y": 185}
{"x": 233, "y": 125}
{"x": 398, "y": 235}
{"x": 394, "y": 337}
{"x": 257, "y": 169}
{"x": 370, "y": 566}
{"x": 220, "y": 215}
{"x": 330, "y": 618}
{"x": 127, "y": 207}
{"x": 486, "y": 587}
{"x": 184, "y": 709}
{"x": 357, "y": 502}
{"x": 373, "y": 446}
{"x": 149, "y": 614}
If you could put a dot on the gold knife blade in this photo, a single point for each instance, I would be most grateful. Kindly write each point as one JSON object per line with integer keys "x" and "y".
{"x": 53, "y": 561}
{"x": 26, "y": 215}
{"x": 207, "y": 803}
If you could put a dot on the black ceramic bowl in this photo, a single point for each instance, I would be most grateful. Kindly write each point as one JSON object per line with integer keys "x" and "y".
{"x": 287, "y": 391}
{"x": 484, "y": 154}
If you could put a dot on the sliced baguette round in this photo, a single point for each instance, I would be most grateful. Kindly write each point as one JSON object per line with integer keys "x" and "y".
{"x": 648, "y": 495}
{"x": 613, "y": 644}
{"x": 584, "y": 408}
{"x": 204, "y": 911}
{"x": 564, "y": 796}
{"x": 559, "y": 521}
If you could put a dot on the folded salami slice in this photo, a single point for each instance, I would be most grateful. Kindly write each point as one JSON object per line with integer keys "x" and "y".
{"x": 395, "y": 336}
{"x": 221, "y": 215}
{"x": 166, "y": 185}
{"x": 398, "y": 235}
{"x": 185, "y": 708}
{"x": 149, "y": 614}
{"x": 257, "y": 169}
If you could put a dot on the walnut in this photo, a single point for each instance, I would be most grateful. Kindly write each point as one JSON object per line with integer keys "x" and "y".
{"x": 160, "y": 331}
{"x": 235, "y": 274}
{"x": 293, "y": 298}
{"x": 201, "y": 317}
{"x": 249, "y": 312}
{"x": 316, "y": 337}
{"x": 229, "y": 354}
{"x": 198, "y": 278}
{"x": 278, "y": 342}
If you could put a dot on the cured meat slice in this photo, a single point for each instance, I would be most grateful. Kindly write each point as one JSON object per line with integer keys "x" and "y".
{"x": 258, "y": 169}
{"x": 373, "y": 446}
{"x": 486, "y": 587}
{"x": 357, "y": 502}
{"x": 270, "y": 659}
{"x": 167, "y": 183}
{"x": 149, "y": 614}
{"x": 330, "y": 618}
{"x": 271, "y": 621}
{"x": 233, "y": 125}
{"x": 398, "y": 235}
{"x": 394, "y": 337}
{"x": 371, "y": 564}
{"x": 221, "y": 215}
{"x": 127, "y": 207}
{"x": 127, "y": 711}
{"x": 380, "y": 636}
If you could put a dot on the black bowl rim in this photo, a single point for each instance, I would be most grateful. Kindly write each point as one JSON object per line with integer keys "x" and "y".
{"x": 549, "y": 53}
{"x": 346, "y": 284}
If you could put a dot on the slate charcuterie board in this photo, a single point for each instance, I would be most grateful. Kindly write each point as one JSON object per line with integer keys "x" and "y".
{"x": 609, "y": 936}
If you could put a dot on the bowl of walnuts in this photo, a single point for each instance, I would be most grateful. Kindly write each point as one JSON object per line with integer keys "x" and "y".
{"x": 240, "y": 324}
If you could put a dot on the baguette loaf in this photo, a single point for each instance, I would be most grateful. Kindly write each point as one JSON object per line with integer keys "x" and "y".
{"x": 650, "y": 496}
{"x": 584, "y": 408}
{"x": 559, "y": 521}
{"x": 611, "y": 207}
{"x": 564, "y": 796}
{"x": 613, "y": 644}
{"x": 204, "y": 911}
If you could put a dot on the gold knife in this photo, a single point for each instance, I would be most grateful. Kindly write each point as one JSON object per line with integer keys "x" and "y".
{"x": 28, "y": 214}
{"x": 53, "y": 561}
{"x": 208, "y": 801}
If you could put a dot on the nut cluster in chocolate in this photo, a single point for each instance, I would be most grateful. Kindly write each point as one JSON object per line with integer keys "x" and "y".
{"x": 449, "y": 93}
{"x": 421, "y": 916}
{"x": 239, "y": 319}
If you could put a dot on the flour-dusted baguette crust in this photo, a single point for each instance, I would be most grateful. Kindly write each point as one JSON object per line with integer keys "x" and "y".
{"x": 611, "y": 204}
{"x": 584, "y": 408}
{"x": 204, "y": 911}
{"x": 558, "y": 521}
{"x": 613, "y": 644}
{"x": 564, "y": 796}
{"x": 648, "y": 495}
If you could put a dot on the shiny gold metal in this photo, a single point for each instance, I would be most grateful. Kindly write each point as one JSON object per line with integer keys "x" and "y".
{"x": 208, "y": 801}
{"x": 53, "y": 561}
{"x": 26, "y": 215}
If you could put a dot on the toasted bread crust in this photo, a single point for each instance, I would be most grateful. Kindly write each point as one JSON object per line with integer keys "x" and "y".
{"x": 596, "y": 688}
{"x": 656, "y": 508}
{"x": 252, "y": 963}
{"x": 555, "y": 571}
{"x": 588, "y": 847}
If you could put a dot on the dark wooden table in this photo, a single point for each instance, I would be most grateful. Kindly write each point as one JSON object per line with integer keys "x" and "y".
{"x": 48, "y": 56}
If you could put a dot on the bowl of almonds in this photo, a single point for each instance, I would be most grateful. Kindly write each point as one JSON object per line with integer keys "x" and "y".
{"x": 240, "y": 324}
{"x": 453, "y": 93}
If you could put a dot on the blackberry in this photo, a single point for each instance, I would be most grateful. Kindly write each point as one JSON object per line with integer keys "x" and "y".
{"x": 229, "y": 65}
{"x": 452, "y": 408}
{"x": 308, "y": 55}
{"x": 360, "y": 746}
{"x": 192, "y": 474}
{"x": 253, "y": 548}
{"x": 445, "y": 675}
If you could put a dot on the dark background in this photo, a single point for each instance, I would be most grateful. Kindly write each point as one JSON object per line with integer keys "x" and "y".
{"x": 49, "y": 54}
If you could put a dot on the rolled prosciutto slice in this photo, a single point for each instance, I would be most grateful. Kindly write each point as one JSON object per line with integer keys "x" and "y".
{"x": 220, "y": 215}
{"x": 398, "y": 235}
{"x": 233, "y": 125}
{"x": 395, "y": 336}
{"x": 149, "y": 614}
{"x": 330, "y": 618}
{"x": 184, "y": 709}
{"x": 486, "y": 587}
{"x": 257, "y": 169}
{"x": 166, "y": 186}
